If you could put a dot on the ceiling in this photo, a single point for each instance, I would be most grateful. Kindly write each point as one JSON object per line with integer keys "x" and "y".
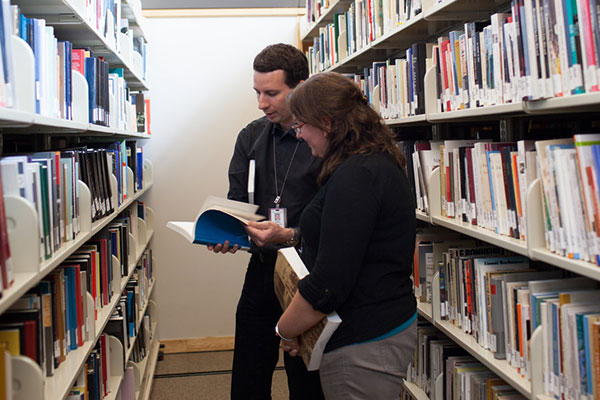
{"x": 174, "y": 4}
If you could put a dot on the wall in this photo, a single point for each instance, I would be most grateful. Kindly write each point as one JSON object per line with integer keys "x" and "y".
{"x": 200, "y": 73}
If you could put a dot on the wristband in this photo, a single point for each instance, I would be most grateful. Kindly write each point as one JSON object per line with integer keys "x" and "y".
{"x": 293, "y": 241}
{"x": 280, "y": 335}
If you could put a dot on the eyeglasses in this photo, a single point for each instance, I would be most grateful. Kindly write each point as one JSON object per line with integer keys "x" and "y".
{"x": 296, "y": 127}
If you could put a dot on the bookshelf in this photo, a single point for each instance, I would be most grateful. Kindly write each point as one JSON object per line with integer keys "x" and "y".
{"x": 415, "y": 391}
{"x": 116, "y": 380}
{"x": 147, "y": 366}
{"x": 312, "y": 29}
{"x": 70, "y": 22}
{"x": 68, "y": 17}
{"x": 435, "y": 20}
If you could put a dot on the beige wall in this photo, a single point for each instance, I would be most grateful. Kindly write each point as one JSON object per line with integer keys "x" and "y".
{"x": 201, "y": 92}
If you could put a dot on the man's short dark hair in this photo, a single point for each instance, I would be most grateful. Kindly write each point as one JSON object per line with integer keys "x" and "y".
{"x": 285, "y": 57}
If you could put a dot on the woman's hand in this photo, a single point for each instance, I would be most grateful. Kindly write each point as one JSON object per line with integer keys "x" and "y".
{"x": 292, "y": 347}
{"x": 267, "y": 232}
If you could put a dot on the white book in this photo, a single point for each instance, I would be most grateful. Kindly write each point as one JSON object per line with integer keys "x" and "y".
{"x": 418, "y": 181}
{"x": 568, "y": 200}
{"x": 589, "y": 179}
{"x": 588, "y": 304}
{"x": 546, "y": 174}
{"x": 500, "y": 209}
{"x": 450, "y": 145}
{"x": 509, "y": 89}
{"x": 571, "y": 75}
{"x": 546, "y": 83}
{"x": 484, "y": 199}
{"x": 429, "y": 160}
{"x": 523, "y": 146}
{"x": 497, "y": 20}
{"x": 484, "y": 92}
{"x": 547, "y": 360}
{"x": 533, "y": 82}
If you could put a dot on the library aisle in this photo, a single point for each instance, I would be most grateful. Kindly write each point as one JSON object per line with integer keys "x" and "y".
{"x": 204, "y": 375}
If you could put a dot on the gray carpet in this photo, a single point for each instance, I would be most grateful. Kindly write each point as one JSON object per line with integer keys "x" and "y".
{"x": 203, "y": 376}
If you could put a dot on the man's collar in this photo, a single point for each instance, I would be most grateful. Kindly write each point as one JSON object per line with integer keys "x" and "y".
{"x": 279, "y": 132}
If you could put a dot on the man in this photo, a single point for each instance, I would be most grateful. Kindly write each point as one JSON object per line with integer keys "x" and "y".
{"x": 285, "y": 181}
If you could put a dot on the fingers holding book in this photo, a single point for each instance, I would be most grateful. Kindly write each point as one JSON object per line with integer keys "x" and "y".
{"x": 267, "y": 232}
{"x": 223, "y": 248}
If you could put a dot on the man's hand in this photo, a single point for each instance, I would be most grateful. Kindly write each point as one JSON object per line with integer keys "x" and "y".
{"x": 267, "y": 232}
{"x": 223, "y": 248}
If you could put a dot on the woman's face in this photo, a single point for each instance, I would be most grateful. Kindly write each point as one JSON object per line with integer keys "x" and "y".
{"x": 314, "y": 137}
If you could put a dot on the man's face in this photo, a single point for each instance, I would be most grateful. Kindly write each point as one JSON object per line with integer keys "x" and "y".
{"x": 271, "y": 92}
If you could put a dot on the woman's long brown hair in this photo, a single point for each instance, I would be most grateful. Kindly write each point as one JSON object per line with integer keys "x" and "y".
{"x": 355, "y": 127}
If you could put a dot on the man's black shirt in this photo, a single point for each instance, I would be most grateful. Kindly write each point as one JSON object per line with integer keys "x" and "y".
{"x": 255, "y": 142}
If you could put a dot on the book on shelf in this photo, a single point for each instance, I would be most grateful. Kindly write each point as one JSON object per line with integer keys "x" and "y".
{"x": 219, "y": 220}
{"x": 439, "y": 359}
{"x": 482, "y": 183}
{"x": 289, "y": 269}
{"x": 127, "y": 389}
{"x": 539, "y": 49}
{"x": 361, "y": 23}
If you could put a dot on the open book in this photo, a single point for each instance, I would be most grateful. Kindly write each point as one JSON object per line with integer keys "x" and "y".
{"x": 289, "y": 269}
{"x": 219, "y": 220}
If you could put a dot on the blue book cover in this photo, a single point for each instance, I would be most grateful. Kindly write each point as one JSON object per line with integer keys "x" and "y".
{"x": 581, "y": 350}
{"x": 596, "y": 153}
{"x": 114, "y": 238}
{"x": 71, "y": 307}
{"x": 68, "y": 78}
{"x": 118, "y": 71}
{"x": 572, "y": 33}
{"x": 140, "y": 168}
{"x": 5, "y": 34}
{"x": 555, "y": 368}
{"x": 131, "y": 313}
{"x": 23, "y": 27}
{"x": 588, "y": 319}
{"x": 38, "y": 29}
{"x": 220, "y": 220}
{"x": 409, "y": 68}
{"x": 91, "y": 72}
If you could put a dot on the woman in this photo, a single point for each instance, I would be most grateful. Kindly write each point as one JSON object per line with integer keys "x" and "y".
{"x": 358, "y": 242}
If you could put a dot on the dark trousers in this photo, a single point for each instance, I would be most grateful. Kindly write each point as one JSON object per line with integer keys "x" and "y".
{"x": 256, "y": 349}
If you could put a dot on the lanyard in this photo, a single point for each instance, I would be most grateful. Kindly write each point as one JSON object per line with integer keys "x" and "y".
{"x": 278, "y": 194}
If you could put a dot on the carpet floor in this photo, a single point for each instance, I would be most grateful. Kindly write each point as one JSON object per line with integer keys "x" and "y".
{"x": 203, "y": 376}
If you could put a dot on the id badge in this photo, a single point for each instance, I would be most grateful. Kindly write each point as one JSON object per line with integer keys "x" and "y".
{"x": 279, "y": 216}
